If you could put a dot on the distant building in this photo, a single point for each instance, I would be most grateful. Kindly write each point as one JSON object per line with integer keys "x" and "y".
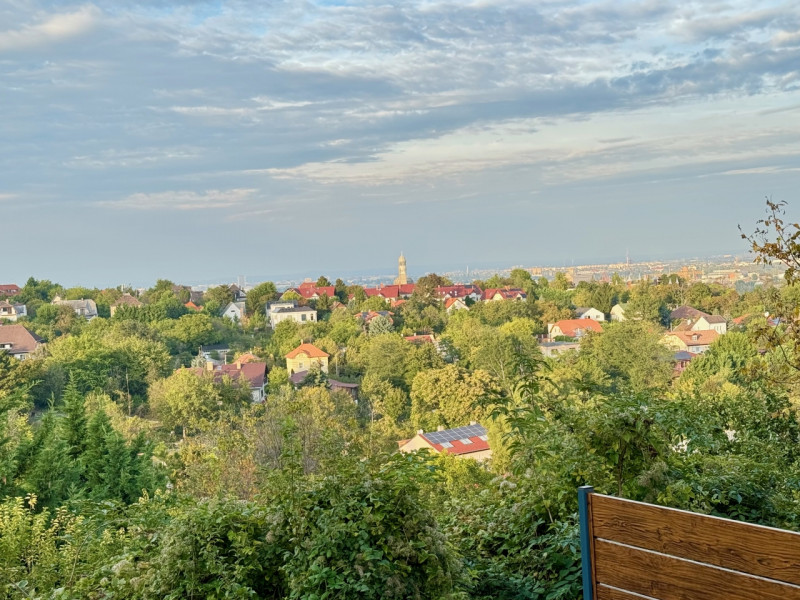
{"x": 686, "y": 313}
{"x": 572, "y": 328}
{"x": 454, "y": 304}
{"x": 402, "y": 275}
{"x": 235, "y": 311}
{"x": 125, "y": 300}
{"x": 553, "y": 349}
{"x": 711, "y": 322}
{"x": 461, "y": 292}
{"x": 618, "y": 312}
{"x": 18, "y": 341}
{"x": 278, "y": 312}
{"x": 682, "y": 360}
{"x": 587, "y": 312}
{"x": 255, "y": 373}
{"x": 304, "y": 357}
{"x": 11, "y": 312}
{"x": 83, "y": 308}
{"x": 308, "y": 290}
{"x": 506, "y": 293}
{"x": 9, "y": 289}
{"x": 471, "y": 441}
{"x": 695, "y": 342}
{"x": 239, "y": 295}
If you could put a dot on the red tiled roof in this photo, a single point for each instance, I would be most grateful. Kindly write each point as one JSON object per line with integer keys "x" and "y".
{"x": 506, "y": 293}
{"x": 310, "y": 350}
{"x": 9, "y": 289}
{"x": 191, "y": 306}
{"x": 254, "y": 372}
{"x": 572, "y": 327}
{"x": 458, "y": 291}
{"x": 309, "y": 289}
{"x": 696, "y": 338}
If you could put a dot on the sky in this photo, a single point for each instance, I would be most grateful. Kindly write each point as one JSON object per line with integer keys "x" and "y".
{"x": 199, "y": 141}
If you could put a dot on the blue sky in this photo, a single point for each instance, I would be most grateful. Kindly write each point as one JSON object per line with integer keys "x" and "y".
{"x": 202, "y": 140}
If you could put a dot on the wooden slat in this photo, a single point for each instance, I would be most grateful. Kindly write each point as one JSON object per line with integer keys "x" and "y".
{"x": 668, "y": 578}
{"x": 609, "y": 593}
{"x": 754, "y": 549}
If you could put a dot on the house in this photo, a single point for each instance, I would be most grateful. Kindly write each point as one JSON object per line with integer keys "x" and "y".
{"x": 682, "y": 360}
{"x": 192, "y": 306}
{"x": 125, "y": 300}
{"x": 715, "y": 322}
{"x": 11, "y": 312}
{"x": 367, "y": 315}
{"x": 9, "y": 289}
{"x": 461, "y": 291}
{"x": 18, "y": 341}
{"x": 235, "y": 311}
{"x": 471, "y": 441}
{"x": 695, "y": 342}
{"x": 587, "y": 312}
{"x": 686, "y": 313}
{"x": 83, "y": 308}
{"x": 391, "y": 292}
{"x": 553, "y": 349}
{"x": 618, "y": 311}
{"x": 572, "y": 328}
{"x": 239, "y": 295}
{"x": 453, "y": 304}
{"x": 309, "y": 290}
{"x": 506, "y": 293}
{"x": 289, "y": 311}
{"x": 350, "y": 388}
{"x": 255, "y": 373}
{"x": 304, "y": 357}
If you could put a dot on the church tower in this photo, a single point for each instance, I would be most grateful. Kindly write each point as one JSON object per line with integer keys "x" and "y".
{"x": 402, "y": 277}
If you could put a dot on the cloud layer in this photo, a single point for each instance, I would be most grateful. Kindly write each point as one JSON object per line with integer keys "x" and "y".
{"x": 324, "y": 120}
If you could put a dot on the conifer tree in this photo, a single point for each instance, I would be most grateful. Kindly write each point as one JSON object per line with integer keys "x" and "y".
{"x": 74, "y": 424}
{"x": 94, "y": 458}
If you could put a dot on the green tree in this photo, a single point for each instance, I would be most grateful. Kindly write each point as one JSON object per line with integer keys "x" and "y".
{"x": 259, "y": 296}
{"x": 451, "y": 397}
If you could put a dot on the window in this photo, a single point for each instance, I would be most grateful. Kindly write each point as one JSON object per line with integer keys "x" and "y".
{"x": 302, "y": 317}
{"x": 300, "y": 366}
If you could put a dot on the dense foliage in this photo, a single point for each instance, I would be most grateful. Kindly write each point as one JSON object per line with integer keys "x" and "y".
{"x": 125, "y": 476}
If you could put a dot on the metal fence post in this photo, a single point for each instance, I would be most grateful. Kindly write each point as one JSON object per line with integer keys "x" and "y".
{"x": 586, "y": 541}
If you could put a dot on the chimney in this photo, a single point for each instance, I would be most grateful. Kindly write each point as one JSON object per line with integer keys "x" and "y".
{"x": 238, "y": 365}
{"x": 440, "y": 428}
{"x": 209, "y": 366}
{"x": 473, "y": 422}
{"x": 420, "y": 431}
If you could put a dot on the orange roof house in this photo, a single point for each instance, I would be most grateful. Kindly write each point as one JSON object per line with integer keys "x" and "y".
{"x": 304, "y": 357}
{"x": 695, "y": 342}
{"x": 573, "y": 328}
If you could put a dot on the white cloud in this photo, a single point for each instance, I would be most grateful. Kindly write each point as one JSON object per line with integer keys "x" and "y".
{"x": 54, "y": 28}
{"x": 183, "y": 200}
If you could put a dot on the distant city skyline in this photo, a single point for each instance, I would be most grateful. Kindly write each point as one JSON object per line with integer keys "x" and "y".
{"x": 190, "y": 139}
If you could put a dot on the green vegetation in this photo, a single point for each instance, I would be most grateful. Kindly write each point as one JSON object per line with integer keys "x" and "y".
{"x": 124, "y": 476}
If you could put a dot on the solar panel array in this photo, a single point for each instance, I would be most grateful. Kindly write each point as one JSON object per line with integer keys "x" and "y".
{"x": 448, "y": 435}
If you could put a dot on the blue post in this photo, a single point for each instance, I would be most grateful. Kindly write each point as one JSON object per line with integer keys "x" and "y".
{"x": 586, "y": 541}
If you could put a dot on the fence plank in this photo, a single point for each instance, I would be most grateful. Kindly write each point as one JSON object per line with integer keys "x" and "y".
{"x": 668, "y": 578}
{"x": 608, "y": 593}
{"x": 763, "y": 551}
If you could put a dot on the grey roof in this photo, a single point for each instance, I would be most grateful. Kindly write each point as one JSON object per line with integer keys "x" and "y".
{"x": 291, "y": 309}
{"x": 459, "y": 433}
{"x": 716, "y": 319}
{"x": 686, "y": 312}
{"x": 558, "y": 344}
{"x": 683, "y": 355}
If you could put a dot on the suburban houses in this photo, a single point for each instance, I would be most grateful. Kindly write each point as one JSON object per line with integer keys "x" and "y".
{"x": 12, "y": 312}
{"x": 304, "y": 357}
{"x": 572, "y": 328}
{"x": 83, "y": 308}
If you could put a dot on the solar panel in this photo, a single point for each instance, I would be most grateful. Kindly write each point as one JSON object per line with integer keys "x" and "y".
{"x": 449, "y": 435}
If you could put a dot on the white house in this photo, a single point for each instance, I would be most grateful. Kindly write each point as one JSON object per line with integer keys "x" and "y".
{"x": 711, "y": 322}
{"x": 587, "y": 312}
{"x": 618, "y": 312}
{"x": 83, "y": 308}
{"x": 12, "y": 312}
{"x": 234, "y": 311}
{"x": 283, "y": 311}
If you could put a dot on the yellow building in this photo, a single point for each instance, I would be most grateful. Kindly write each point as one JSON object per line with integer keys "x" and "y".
{"x": 402, "y": 275}
{"x": 304, "y": 357}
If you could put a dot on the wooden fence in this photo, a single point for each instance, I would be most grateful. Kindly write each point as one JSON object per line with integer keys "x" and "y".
{"x": 636, "y": 551}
